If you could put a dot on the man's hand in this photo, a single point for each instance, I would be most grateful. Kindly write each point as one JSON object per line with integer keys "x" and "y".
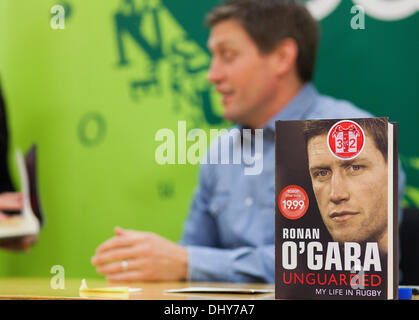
{"x": 140, "y": 256}
{"x": 13, "y": 201}
{"x": 19, "y": 244}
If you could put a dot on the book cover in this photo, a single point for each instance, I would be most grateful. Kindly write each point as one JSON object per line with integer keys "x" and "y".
{"x": 336, "y": 209}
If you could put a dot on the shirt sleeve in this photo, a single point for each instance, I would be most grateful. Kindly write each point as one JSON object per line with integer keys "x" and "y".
{"x": 207, "y": 261}
{"x": 244, "y": 264}
{"x": 200, "y": 227}
{"x": 6, "y": 183}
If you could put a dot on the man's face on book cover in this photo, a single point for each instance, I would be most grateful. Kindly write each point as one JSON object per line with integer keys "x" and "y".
{"x": 351, "y": 194}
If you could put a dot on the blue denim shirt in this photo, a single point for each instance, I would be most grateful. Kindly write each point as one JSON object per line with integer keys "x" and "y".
{"x": 230, "y": 230}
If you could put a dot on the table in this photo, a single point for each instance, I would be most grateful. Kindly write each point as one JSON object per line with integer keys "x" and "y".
{"x": 41, "y": 289}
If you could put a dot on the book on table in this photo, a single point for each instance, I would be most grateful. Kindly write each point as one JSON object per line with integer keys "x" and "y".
{"x": 336, "y": 209}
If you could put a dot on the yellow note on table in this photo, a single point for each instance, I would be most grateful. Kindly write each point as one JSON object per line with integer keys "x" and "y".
{"x": 117, "y": 292}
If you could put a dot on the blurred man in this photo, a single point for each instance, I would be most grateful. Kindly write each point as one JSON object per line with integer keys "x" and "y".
{"x": 263, "y": 56}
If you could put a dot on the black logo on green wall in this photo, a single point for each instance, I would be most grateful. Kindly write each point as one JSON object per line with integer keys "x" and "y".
{"x": 141, "y": 23}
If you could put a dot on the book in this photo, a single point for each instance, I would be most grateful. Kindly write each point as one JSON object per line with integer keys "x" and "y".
{"x": 336, "y": 224}
{"x": 31, "y": 218}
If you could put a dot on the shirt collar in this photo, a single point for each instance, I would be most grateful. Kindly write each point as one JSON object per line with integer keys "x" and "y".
{"x": 297, "y": 107}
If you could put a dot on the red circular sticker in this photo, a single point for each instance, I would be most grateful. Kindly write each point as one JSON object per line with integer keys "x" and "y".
{"x": 293, "y": 202}
{"x": 346, "y": 139}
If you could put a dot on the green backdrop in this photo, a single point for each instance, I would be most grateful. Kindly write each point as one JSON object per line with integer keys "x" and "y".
{"x": 94, "y": 94}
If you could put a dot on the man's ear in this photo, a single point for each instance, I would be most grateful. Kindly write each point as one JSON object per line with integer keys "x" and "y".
{"x": 285, "y": 57}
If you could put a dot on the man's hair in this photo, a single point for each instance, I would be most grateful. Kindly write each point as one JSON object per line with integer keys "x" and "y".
{"x": 268, "y": 22}
{"x": 374, "y": 127}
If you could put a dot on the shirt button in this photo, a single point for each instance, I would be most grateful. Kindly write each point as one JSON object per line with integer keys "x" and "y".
{"x": 248, "y": 201}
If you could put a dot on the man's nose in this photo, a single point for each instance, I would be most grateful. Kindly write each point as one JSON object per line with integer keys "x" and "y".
{"x": 338, "y": 191}
{"x": 215, "y": 72}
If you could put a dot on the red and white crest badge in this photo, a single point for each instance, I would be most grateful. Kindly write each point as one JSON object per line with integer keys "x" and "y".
{"x": 346, "y": 139}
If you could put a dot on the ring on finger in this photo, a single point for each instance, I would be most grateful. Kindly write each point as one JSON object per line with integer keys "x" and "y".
{"x": 124, "y": 265}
